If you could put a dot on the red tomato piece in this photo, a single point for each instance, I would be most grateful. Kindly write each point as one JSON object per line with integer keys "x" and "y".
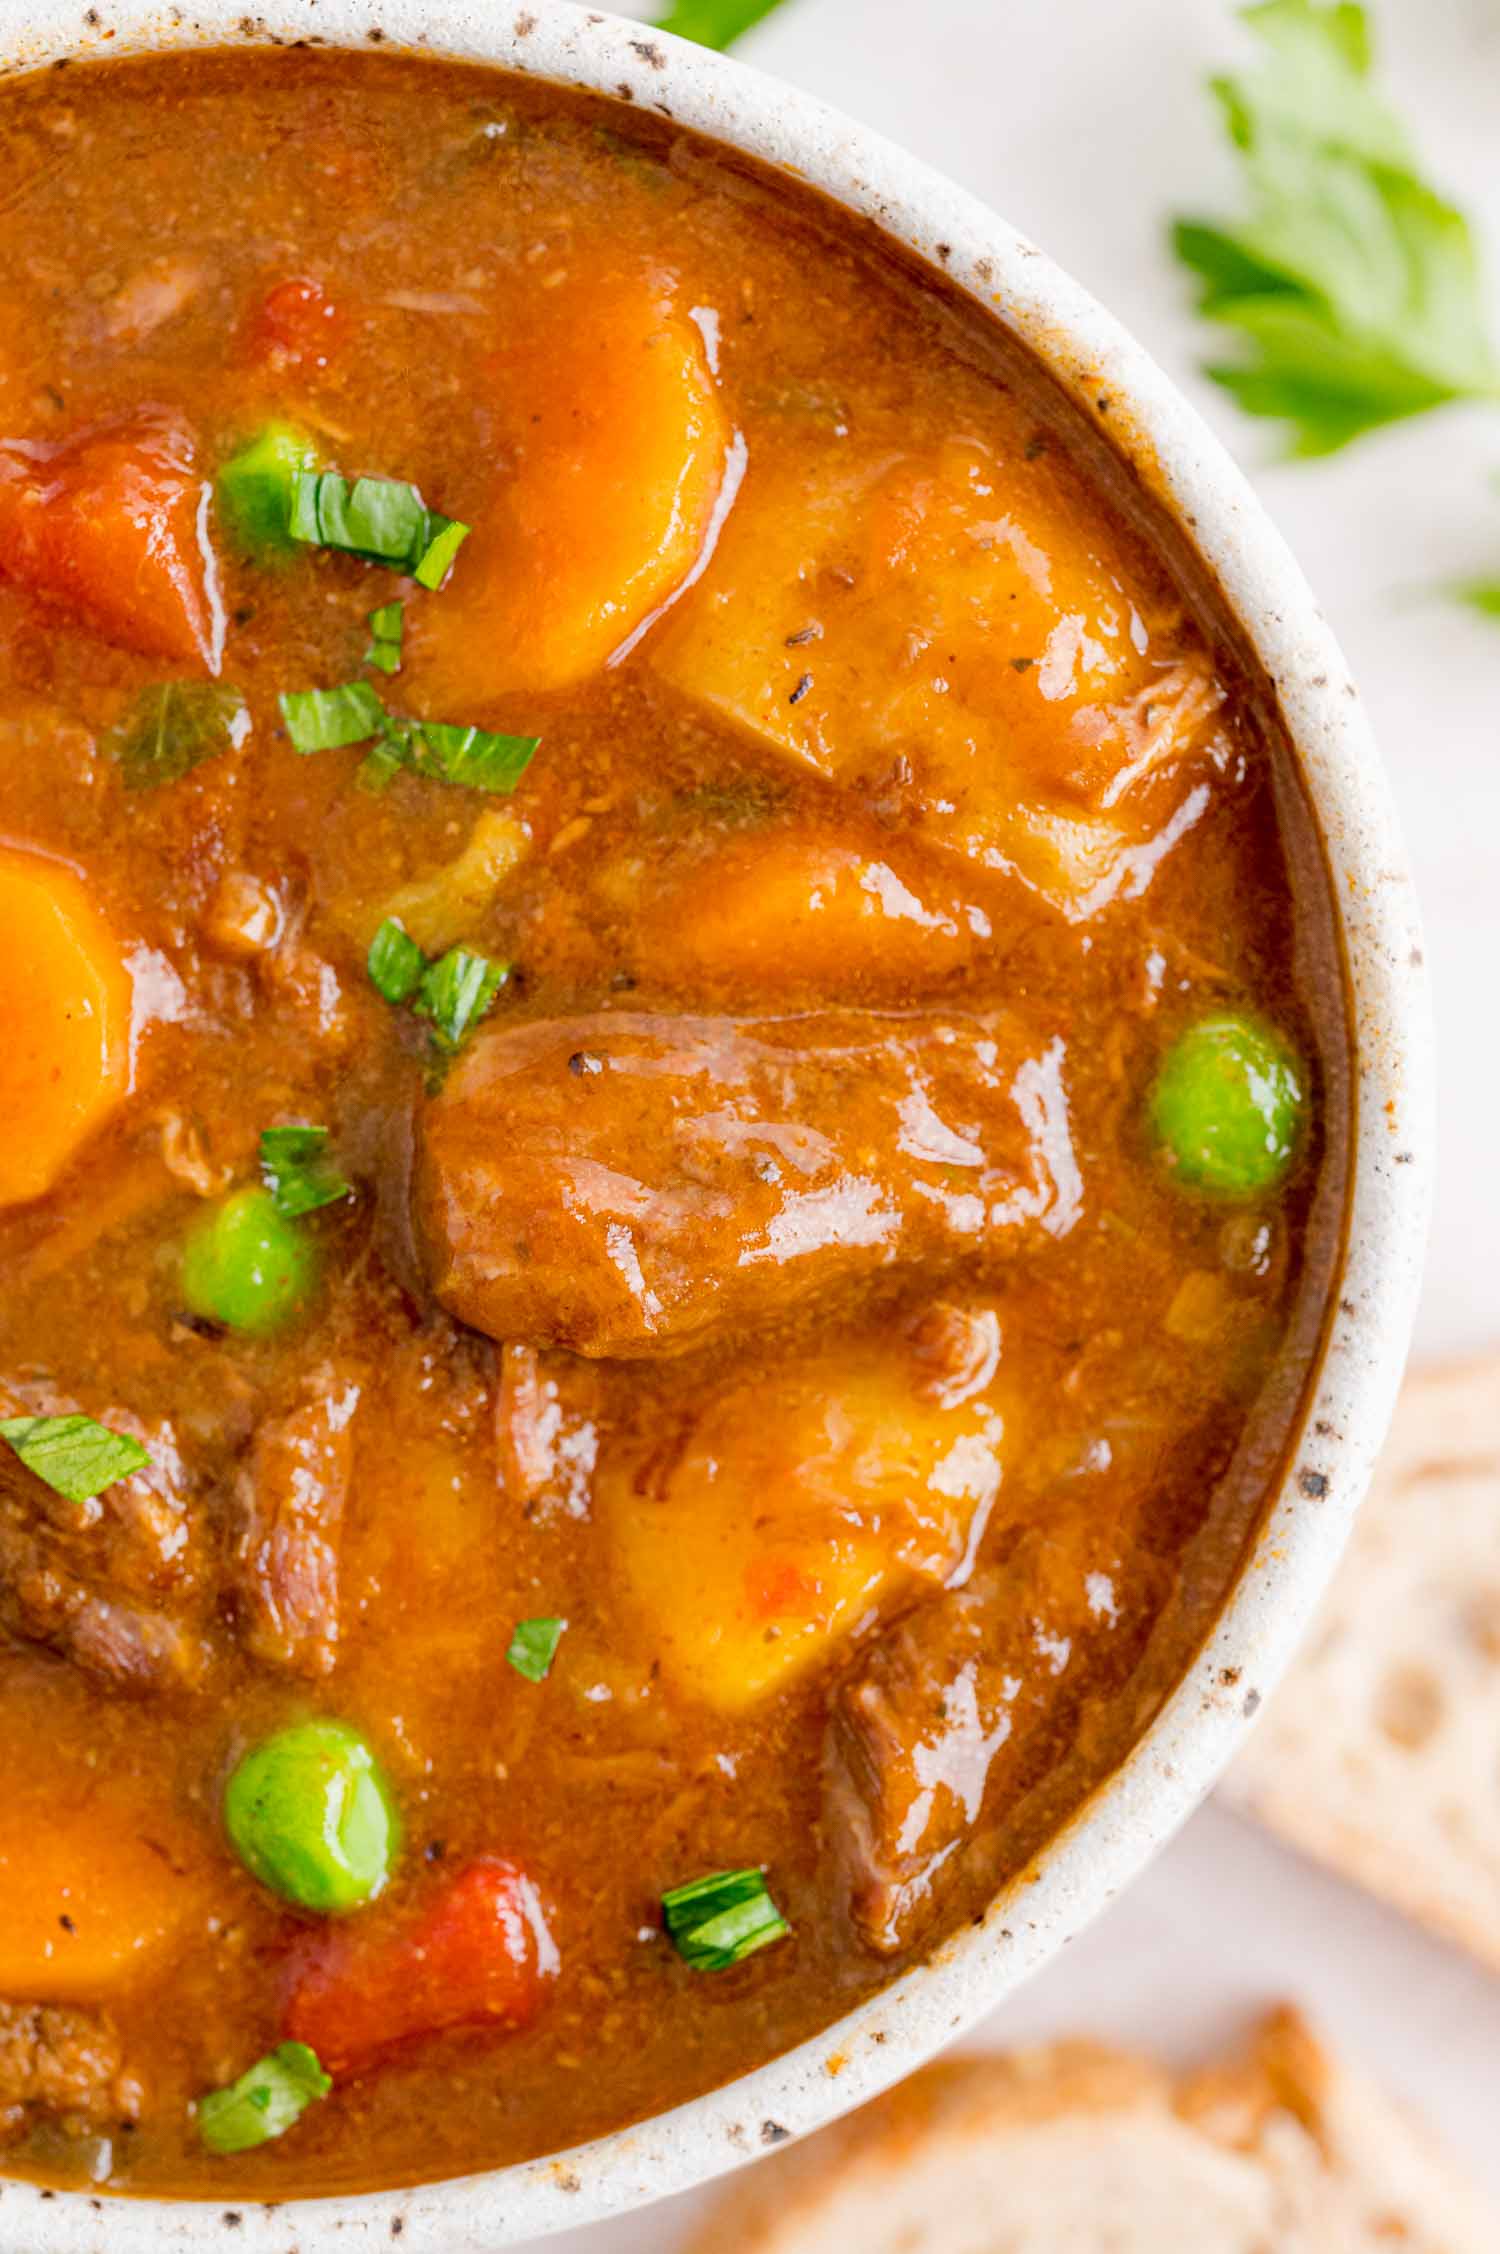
{"x": 298, "y": 325}
{"x": 477, "y": 1953}
{"x": 112, "y": 524}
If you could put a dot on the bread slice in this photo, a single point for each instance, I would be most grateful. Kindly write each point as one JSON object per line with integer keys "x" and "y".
{"x": 1380, "y": 1753}
{"x": 1081, "y": 2150}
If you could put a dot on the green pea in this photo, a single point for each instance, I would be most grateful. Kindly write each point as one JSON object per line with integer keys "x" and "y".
{"x": 255, "y": 485}
{"x": 248, "y": 1266}
{"x": 311, "y": 1816}
{"x": 1227, "y": 1106}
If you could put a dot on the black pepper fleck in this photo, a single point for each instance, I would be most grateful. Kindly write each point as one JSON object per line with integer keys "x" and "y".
{"x": 802, "y": 689}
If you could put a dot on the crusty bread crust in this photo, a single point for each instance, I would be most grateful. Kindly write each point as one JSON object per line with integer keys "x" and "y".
{"x": 1380, "y": 1753}
{"x": 1077, "y": 2149}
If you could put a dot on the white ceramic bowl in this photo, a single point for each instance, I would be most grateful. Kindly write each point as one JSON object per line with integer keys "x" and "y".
{"x": 1200, "y": 1728}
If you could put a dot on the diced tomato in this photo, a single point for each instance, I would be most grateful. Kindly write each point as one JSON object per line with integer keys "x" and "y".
{"x": 478, "y": 1952}
{"x": 111, "y": 523}
{"x": 298, "y": 325}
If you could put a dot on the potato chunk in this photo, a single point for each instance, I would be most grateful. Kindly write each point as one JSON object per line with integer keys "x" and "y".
{"x": 797, "y": 1504}
{"x": 616, "y": 448}
{"x": 627, "y": 1184}
{"x": 939, "y": 633}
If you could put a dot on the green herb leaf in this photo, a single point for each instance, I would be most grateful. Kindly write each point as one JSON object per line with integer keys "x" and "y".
{"x": 718, "y": 1921}
{"x": 533, "y": 1647}
{"x": 387, "y": 626}
{"x": 436, "y": 560}
{"x": 76, "y": 1456}
{"x": 378, "y": 519}
{"x": 255, "y": 485}
{"x": 172, "y": 727}
{"x": 265, "y": 2102}
{"x": 1354, "y": 287}
{"x": 395, "y": 962}
{"x": 448, "y": 752}
{"x": 300, "y": 1171}
{"x": 714, "y": 23}
{"x": 1482, "y": 595}
{"x": 443, "y": 751}
{"x": 381, "y": 765}
{"x": 457, "y": 991}
{"x": 327, "y": 719}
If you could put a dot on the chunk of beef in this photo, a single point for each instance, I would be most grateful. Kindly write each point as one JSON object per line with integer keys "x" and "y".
{"x": 290, "y": 1495}
{"x": 118, "y": 1584}
{"x": 944, "y": 1717}
{"x": 64, "y": 2063}
{"x": 546, "y": 1432}
{"x": 625, "y": 1184}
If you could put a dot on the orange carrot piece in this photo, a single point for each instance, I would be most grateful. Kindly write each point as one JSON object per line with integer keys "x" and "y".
{"x": 478, "y": 1953}
{"x": 93, "y": 1889}
{"x": 111, "y": 525}
{"x": 65, "y": 1060}
{"x": 611, "y": 421}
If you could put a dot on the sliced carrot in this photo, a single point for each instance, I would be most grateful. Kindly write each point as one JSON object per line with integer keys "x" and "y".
{"x": 111, "y": 525}
{"x": 617, "y": 444}
{"x": 91, "y": 1892}
{"x": 65, "y": 1060}
{"x": 478, "y": 1952}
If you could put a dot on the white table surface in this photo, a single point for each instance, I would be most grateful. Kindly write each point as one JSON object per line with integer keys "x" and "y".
{"x": 1083, "y": 121}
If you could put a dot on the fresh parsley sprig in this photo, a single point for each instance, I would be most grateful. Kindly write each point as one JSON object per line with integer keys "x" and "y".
{"x": 1352, "y": 284}
{"x": 714, "y": 23}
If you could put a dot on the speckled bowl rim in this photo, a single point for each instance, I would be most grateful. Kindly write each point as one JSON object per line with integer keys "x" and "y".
{"x": 1199, "y": 1730}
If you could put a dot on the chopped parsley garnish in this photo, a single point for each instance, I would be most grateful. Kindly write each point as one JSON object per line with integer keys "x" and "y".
{"x": 1354, "y": 287}
{"x": 533, "y": 1647}
{"x": 379, "y": 519}
{"x": 453, "y": 993}
{"x": 255, "y": 485}
{"x": 387, "y": 626}
{"x": 442, "y": 751}
{"x": 76, "y": 1456}
{"x": 447, "y": 752}
{"x": 718, "y": 1921}
{"x": 172, "y": 727}
{"x": 457, "y": 991}
{"x": 328, "y": 719}
{"x": 714, "y": 23}
{"x": 265, "y": 2102}
{"x": 395, "y": 962}
{"x": 300, "y": 1171}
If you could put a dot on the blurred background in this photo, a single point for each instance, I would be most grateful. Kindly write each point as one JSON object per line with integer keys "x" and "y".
{"x": 1086, "y": 123}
